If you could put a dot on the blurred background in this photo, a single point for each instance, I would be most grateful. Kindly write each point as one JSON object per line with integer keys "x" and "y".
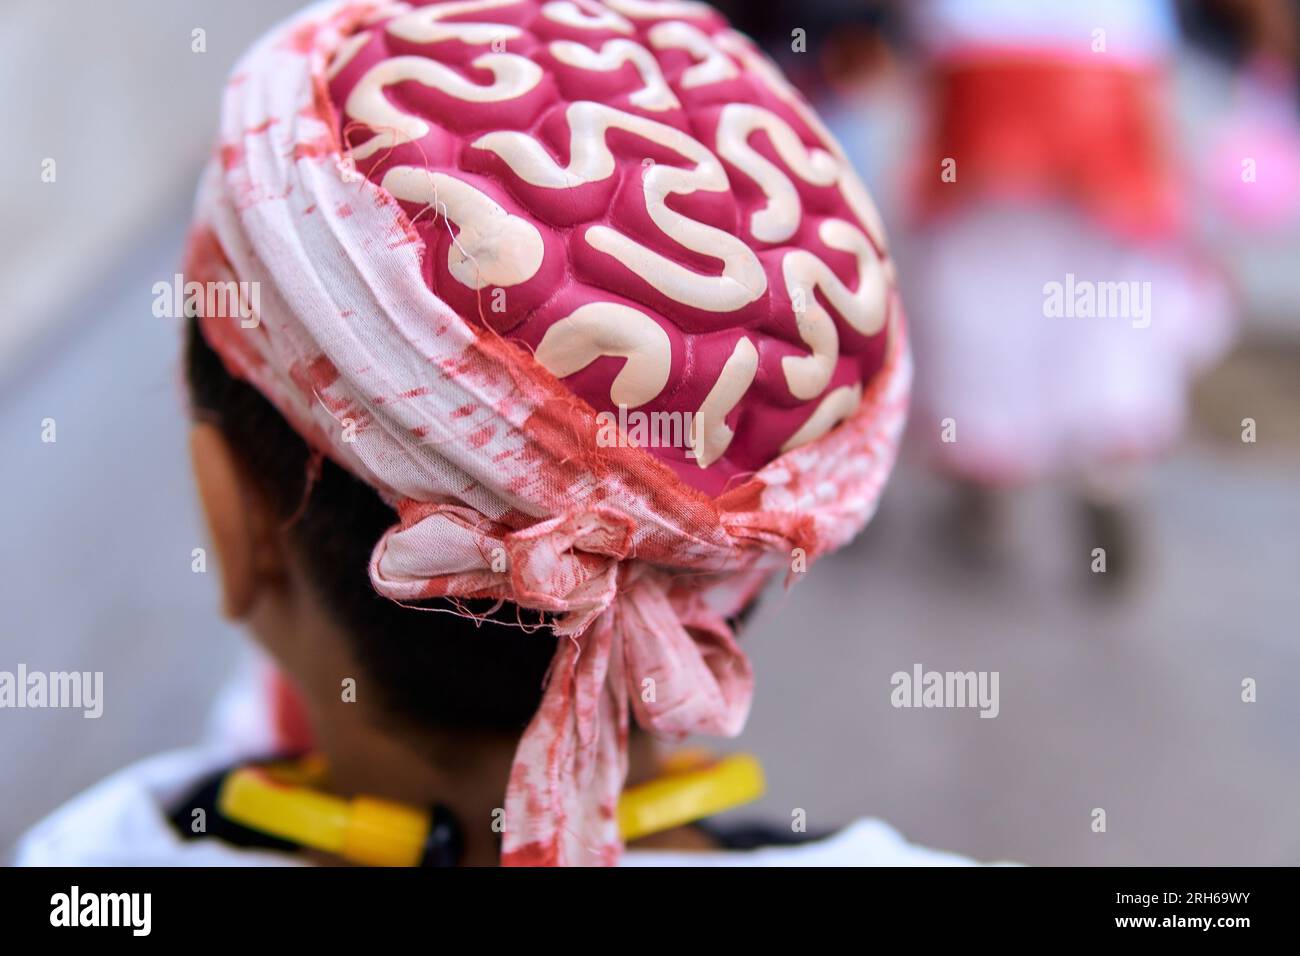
{"x": 1125, "y": 697}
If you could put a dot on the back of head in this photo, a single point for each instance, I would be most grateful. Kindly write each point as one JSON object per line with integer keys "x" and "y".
{"x": 585, "y": 320}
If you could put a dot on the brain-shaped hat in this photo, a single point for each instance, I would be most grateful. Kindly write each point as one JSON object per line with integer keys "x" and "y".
{"x": 588, "y": 293}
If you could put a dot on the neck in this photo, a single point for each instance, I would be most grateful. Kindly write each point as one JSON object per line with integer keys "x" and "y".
{"x": 368, "y": 753}
{"x": 471, "y": 785}
{"x": 466, "y": 771}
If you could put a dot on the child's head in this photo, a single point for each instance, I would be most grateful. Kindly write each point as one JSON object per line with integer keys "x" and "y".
{"x": 573, "y": 315}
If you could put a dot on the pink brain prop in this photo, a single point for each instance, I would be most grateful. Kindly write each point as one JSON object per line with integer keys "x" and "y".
{"x": 634, "y": 193}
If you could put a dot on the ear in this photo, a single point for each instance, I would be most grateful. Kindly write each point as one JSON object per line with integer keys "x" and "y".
{"x": 239, "y": 521}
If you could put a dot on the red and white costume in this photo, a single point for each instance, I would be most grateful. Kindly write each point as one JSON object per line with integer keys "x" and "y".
{"x": 1049, "y": 118}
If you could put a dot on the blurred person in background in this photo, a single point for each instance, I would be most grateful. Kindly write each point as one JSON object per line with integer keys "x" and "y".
{"x": 1060, "y": 300}
{"x": 1060, "y": 304}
